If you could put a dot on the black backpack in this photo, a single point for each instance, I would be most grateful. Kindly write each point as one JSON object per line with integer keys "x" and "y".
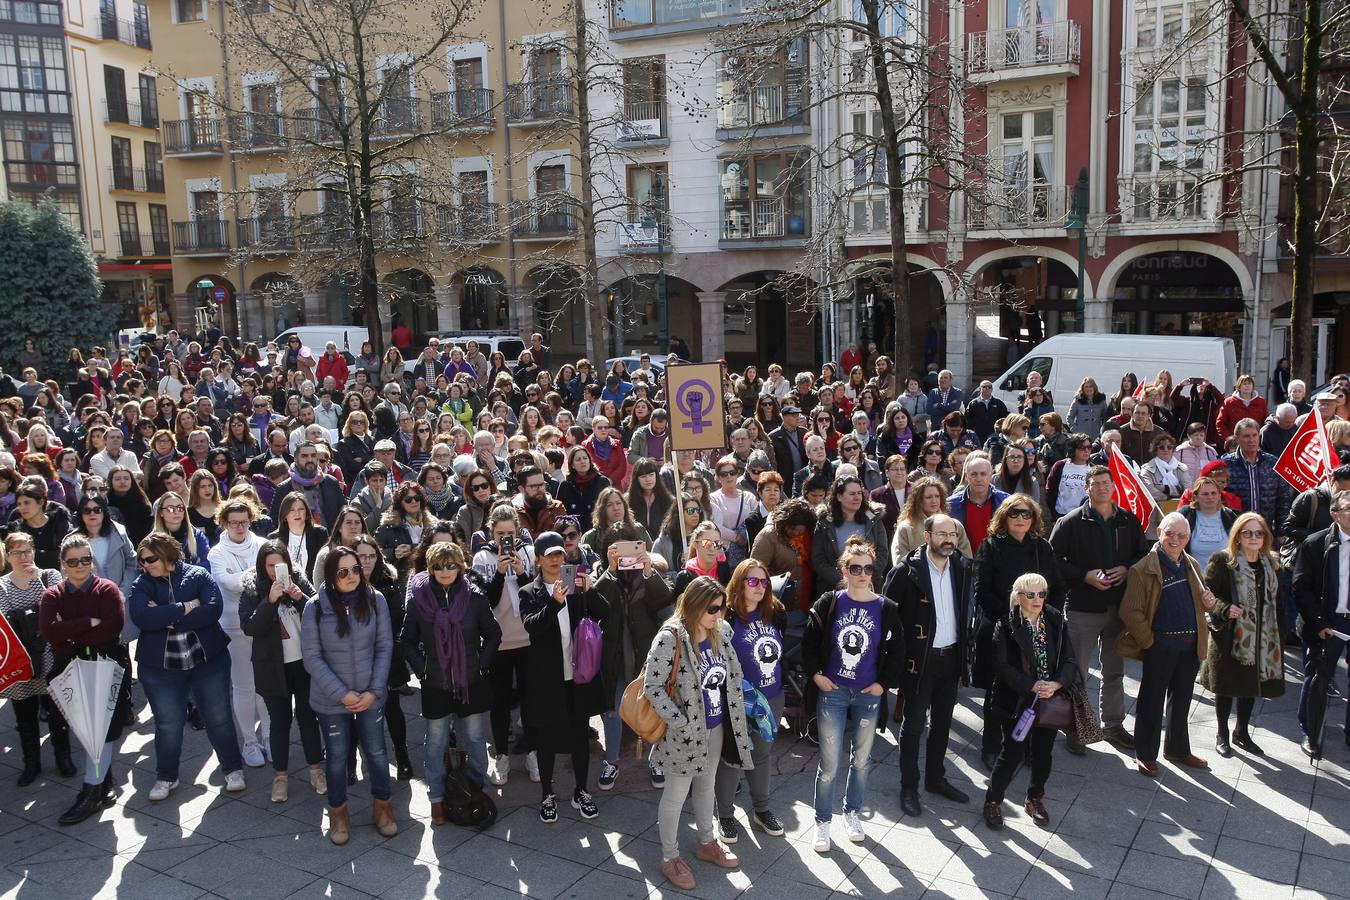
{"x": 465, "y": 803}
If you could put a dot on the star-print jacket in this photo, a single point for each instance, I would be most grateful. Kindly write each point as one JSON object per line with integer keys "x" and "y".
{"x": 684, "y": 749}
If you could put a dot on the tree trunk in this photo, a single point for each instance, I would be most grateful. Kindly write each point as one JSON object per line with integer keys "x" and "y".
{"x": 595, "y": 309}
{"x": 1303, "y": 229}
{"x": 895, "y": 190}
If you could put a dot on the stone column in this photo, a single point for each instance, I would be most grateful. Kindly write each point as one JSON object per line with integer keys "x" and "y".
{"x": 712, "y": 307}
{"x": 447, "y": 306}
{"x": 1097, "y": 315}
{"x": 960, "y": 336}
{"x": 315, "y": 306}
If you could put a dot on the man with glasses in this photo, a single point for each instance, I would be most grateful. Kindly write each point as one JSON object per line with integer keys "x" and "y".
{"x": 1322, "y": 592}
{"x": 983, "y": 411}
{"x": 932, "y": 587}
{"x": 535, "y": 508}
{"x": 278, "y": 446}
{"x": 1165, "y": 625}
{"x": 322, "y": 490}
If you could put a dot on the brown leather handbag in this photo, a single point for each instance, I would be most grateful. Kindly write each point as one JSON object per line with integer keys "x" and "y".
{"x": 637, "y": 711}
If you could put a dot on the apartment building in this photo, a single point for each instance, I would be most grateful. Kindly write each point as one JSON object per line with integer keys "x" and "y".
{"x": 488, "y": 116}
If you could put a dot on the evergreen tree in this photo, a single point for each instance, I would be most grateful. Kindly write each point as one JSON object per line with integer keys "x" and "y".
{"x": 49, "y": 287}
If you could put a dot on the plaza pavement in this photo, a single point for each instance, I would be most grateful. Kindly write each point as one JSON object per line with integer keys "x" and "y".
{"x": 1275, "y": 827}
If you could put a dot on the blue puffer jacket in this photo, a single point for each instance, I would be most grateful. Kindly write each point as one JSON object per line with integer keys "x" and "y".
{"x": 1258, "y": 486}
{"x": 156, "y": 606}
{"x": 337, "y": 665}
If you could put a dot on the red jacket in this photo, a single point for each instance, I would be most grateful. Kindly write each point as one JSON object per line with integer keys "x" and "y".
{"x": 1235, "y": 410}
{"x": 616, "y": 467}
{"x": 337, "y": 367}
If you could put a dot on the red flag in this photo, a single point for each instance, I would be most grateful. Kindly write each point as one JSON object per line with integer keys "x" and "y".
{"x": 1130, "y": 492}
{"x": 1307, "y": 459}
{"x": 15, "y": 664}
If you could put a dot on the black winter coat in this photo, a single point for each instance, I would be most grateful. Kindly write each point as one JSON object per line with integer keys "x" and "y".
{"x": 1080, "y": 544}
{"x": 547, "y": 697}
{"x": 635, "y": 603}
{"x": 315, "y": 539}
{"x": 1316, "y": 576}
{"x": 999, "y": 562}
{"x": 909, "y": 586}
{"x": 258, "y": 619}
{"x": 1014, "y": 669}
{"x": 580, "y": 499}
{"x": 417, "y": 638}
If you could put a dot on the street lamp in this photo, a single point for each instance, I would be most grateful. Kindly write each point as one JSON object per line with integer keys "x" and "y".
{"x": 1077, "y": 220}
{"x": 658, "y": 201}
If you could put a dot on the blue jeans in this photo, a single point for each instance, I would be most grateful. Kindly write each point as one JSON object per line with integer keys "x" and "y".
{"x": 844, "y": 711}
{"x": 470, "y": 735}
{"x": 208, "y": 685}
{"x": 337, "y": 736}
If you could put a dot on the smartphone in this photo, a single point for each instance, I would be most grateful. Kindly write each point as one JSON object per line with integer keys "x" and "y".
{"x": 283, "y": 575}
{"x": 630, "y": 553}
{"x": 506, "y": 546}
{"x": 569, "y": 578}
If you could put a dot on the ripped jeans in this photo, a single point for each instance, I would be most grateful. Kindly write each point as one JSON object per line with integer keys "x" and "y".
{"x": 840, "y": 713}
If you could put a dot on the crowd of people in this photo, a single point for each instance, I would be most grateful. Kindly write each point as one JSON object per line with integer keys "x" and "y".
{"x": 280, "y": 536}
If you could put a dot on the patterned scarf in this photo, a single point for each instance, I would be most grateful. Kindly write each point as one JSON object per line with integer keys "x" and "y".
{"x": 1038, "y": 646}
{"x": 1251, "y": 630}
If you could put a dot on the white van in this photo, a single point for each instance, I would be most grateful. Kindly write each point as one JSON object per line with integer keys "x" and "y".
{"x": 316, "y": 337}
{"x": 1066, "y": 359}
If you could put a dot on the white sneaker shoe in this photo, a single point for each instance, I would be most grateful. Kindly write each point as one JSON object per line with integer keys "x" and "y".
{"x": 161, "y": 790}
{"x": 253, "y": 755}
{"x": 318, "y": 780}
{"x": 280, "y": 788}
{"x": 532, "y": 761}
{"x": 822, "y": 844}
{"x": 853, "y": 827}
{"x": 234, "y": 781}
{"x": 499, "y": 768}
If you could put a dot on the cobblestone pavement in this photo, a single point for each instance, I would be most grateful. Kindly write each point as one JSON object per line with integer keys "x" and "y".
{"x": 1272, "y": 827}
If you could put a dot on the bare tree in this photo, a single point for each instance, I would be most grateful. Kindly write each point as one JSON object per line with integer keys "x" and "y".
{"x": 362, "y": 83}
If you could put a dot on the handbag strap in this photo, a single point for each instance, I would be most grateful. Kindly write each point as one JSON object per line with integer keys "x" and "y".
{"x": 674, "y": 664}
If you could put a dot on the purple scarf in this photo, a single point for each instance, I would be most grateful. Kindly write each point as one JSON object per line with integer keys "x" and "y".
{"x": 304, "y": 482}
{"x": 450, "y": 649}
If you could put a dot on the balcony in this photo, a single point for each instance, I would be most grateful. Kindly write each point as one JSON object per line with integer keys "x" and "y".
{"x": 257, "y": 131}
{"x": 124, "y": 113}
{"x": 1017, "y": 207}
{"x": 538, "y": 102}
{"x": 314, "y": 126}
{"x": 643, "y": 123}
{"x": 869, "y": 217}
{"x": 463, "y": 109}
{"x": 191, "y": 137}
{"x": 543, "y": 218}
{"x": 637, "y": 19}
{"x": 1036, "y": 51}
{"x": 201, "y": 237}
{"x": 323, "y": 231}
{"x": 398, "y": 117}
{"x": 135, "y": 245}
{"x": 148, "y": 181}
{"x": 764, "y": 219}
{"x": 470, "y": 223}
{"x": 647, "y": 229}
{"x": 128, "y": 32}
{"x": 1154, "y": 202}
{"x": 764, "y": 108}
{"x": 276, "y": 233}
{"x": 402, "y": 227}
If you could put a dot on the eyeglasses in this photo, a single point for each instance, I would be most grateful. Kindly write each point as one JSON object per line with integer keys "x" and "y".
{"x": 1249, "y": 533}
{"x": 1020, "y": 512}
{"x": 346, "y": 571}
{"x": 236, "y": 523}
{"x": 855, "y": 569}
{"x": 1038, "y": 595}
{"x": 147, "y": 560}
{"x": 755, "y": 581}
{"x": 445, "y": 567}
{"x": 715, "y": 609}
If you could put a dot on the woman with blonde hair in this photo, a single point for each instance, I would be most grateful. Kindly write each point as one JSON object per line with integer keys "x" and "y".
{"x": 692, "y": 682}
{"x": 927, "y": 497}
{"x": 1245, "y": 656}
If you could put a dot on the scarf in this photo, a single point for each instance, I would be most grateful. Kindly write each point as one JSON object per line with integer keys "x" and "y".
{"x": 1167, "y": 471}
{"x": 581, "y": 479}
{"x": 437, "y": 499}
{"x": 1038, "y": 646}
{"x": 302, "y": 481}
{"x": 163, "y": 458}
{"x": 601, "y": 448}
{"x": 445, "y": 620}
{"x": 1258, "y": 626}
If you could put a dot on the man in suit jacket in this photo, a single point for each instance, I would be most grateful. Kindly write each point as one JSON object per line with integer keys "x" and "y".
{"x": 944, "y": 398}
{"x": 1322, "y": 593}
{"x": 983, "y": 411}
{"x": 788, "y": 440}
{"x": 932, "y": 588}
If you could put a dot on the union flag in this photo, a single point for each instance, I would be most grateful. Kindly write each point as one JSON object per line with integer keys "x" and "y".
{"x": 1130, "y": 492}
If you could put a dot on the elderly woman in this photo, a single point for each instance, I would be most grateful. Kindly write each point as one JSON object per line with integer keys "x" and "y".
{"x": 1033, "y": 660}
{"x": 1245, "y": 656}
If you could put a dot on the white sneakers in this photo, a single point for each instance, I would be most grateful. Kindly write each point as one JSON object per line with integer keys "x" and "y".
{"x": 822, "y": 844}
{"x": 499, "y": 768}
{"x": 161, "y": 790}
{"x": 532, "y": 761}
{"x": 853, "y": 827}
{"x": 234, "y": 781}
{"x": 253, "y": 755}
{"x": 318, "y": 780}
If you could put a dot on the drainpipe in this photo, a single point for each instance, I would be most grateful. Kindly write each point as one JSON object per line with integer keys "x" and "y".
{"x": 508, "y": 168}
{"x": 240, "y": 293}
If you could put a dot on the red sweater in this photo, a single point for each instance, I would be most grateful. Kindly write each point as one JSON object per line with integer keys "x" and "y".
{"x": 615, "y": 468}
{"x": 65, "y": 614}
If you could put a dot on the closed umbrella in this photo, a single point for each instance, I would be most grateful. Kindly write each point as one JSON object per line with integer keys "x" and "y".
{"x": 86, "y": 692}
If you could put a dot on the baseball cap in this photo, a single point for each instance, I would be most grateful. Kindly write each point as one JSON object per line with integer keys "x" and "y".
{"x": 548, "y": 542}
{"x": 791, "y": 410}
{"x": 384, "y": 444}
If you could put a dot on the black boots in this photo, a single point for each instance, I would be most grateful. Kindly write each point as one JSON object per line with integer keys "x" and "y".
{"x": 405, "y": 769}
{"x": 61, "y": 747}
{"x": 92, "y": 799}
{"x": 30, "y": 744}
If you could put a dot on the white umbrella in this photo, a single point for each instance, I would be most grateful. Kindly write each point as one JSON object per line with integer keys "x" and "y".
{"x": 86, "y": 692}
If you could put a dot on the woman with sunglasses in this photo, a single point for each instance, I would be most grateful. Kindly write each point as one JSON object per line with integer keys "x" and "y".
{"x": 385, "y": 578}
{"x": 347, "y": 646}
{"x": 930, "y": 465}
{"x": 697, "y": 697}
{"x": 670, "y": 546}
{"x": 822, "y": 423}
{"x": 767, "y": 412}
{"x": 1033, "y": 659}
{"x": 114, "y": 554}
{"x": 402, "y": 524}
{"x": 449, "y": 637}
{"x": 269, "y": 613}
{"x": 853, "y": 650}
{"x": 851, "y": 451}
{"x": 81, "y": 617}
{"x": 707, "y": 558}
{"x": 758, "y": 621}
{"x": 480, "y": 489}
{"x": 1014, "y": 546}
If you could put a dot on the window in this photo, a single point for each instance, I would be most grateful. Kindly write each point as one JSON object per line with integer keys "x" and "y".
{"x": 68, "y": 203}
{"x": 154, "y": 167}
{"x": 866, "y": 174}
{"x": 473, "y": 188}
{"x": 545, "y": 63}
{"x": 468, "y": 99}
{"x": 205, "y": 205}
{"x": 401, "y": 206}
{"x": 40, "y": 153}
{"x": 31, "y": 12}
{"x": 127, "y": 224}
{"x": 399, "y": 114}
{"x": 895, "y": 17}
{"x": 1167, "y": 23}
{"x": 189, "y": 10}
{"x": 149, "y": 101}
{"x": 33, "y": 74}
{"x": 123, "y": 179}
{"x": 1024, "y": 188}
{"x": 764, "y": 197}
{"x": 159, "y": 228}
{"x": 141, "y": 23}
{"x": 1169, "y": 124}
{"x": 763, "y": 86}
{"x": 115, "y": 92}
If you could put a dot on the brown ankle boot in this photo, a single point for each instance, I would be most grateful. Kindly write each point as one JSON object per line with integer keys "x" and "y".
{"x": 383, "y": 814}
{"x": 339, "y": 824}
{"x": 438, "y": 813}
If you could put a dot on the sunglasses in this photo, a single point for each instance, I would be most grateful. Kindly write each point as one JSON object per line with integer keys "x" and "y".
{"x": 708, "y": 543}
{"x": 412, "y": 499}
{"x": 79, "y": 562}
{"x": 755, "y": 581}
{"x": 445, "y": 567}
{"x": 480, "y": 486}
{"x": 932, "y": 453}
{"x": 693, "y": 510}
{"x": 91, "y": 511}
{"x": 1020, "y": 512}
{"x": 348, "y": 570}
{"x": 726, "y": 473}
{"x": 570, "y": 535}
{"x": 1252, "y": 534}
{"x": 147, "y": 560}
{"x": 855, "y": 569}
{"x": 1038, "y": 595}
{"x": 715, "y": 610}
{"x": 176, "y": 507}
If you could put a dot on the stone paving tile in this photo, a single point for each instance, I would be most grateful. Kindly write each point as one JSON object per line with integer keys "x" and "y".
{"x": 1051, "y": 883}
{"x": 1175, "y": 877}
